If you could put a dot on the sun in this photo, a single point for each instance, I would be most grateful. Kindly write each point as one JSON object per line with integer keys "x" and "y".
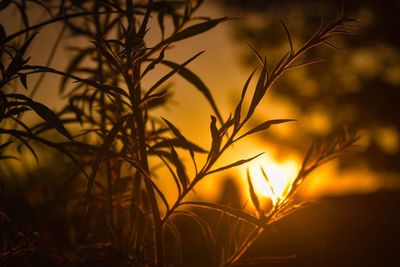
{"x": 280, "y": 177}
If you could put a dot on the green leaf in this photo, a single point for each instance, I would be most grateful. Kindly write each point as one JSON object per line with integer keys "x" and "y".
{"x": 194, "y": 30}
{"x": 192, "y": 78}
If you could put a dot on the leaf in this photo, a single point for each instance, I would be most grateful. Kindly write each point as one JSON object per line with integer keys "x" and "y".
{"x": 288, "y": 36}
{"x": 264, "y": 126}
{"x": 26, "y": 44}
{"x": 45, "y": 113}
{"x": 143, "y": 26}
{"x": 178, "y": 134}
{"x": 238, "y": 109}
{"x": 192, "y": 78}
{"x": 73, "y": 65}
{"x": 49, "y": 117}
{"x": 222, "y": 240}
{"x": 201, "y": 223}
{"x": 160, "y": 19}
{"x": 216, "y": 138}
{"x": 180, "y": 169}
{"x": 194, "y": 30}
{"x": 171, "y": 73}
{"x": 102, "y": 152}
{"x": 176, "y": 142}
{"x": 175, "y": 131}
{"x": 237, "y": 163}
{"x": 236, "y": 213}
{"x": 253, "y": 195}
{"x": 154, "y": 62}
{"x": 5, "y": 145}
{"x": 268, "y": 181}
{"x": 259, "y": 92}
{"x": 22, "y": 78}
{"x": 108, "y": 55}
{"x": 2, "y": 34}
{"x": 177, "y": 258}
{"x": 19, "y": 134}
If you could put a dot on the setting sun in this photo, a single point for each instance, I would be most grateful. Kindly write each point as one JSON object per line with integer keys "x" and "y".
{"x": 280, "y": 176}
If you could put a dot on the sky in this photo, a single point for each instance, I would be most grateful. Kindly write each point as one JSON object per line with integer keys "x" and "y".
{"x": 221, "y": 69}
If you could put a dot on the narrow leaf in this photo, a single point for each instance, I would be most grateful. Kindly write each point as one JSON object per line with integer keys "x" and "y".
{"x": 171, "y": 73}
{"x": 252, "y": 193}
{"x": 49, "y": 117}
{"x": 258, "y": 92}
{"x": 22, "y": 78}
{"x": 236, "y": 213}
{"x": 193, "y": 79}
{"x": 176, "y": 142}
{"x": 264, "y": 126}
{"x": 238, "y": 109}
{"x": 237, "y": 163}
{"x": 102, "y": 152}
{"x": 180, "y": 169}
{"x": 288, "y": 36}
{"x": 216, "y": 138}
{"x": 194, "y": 30}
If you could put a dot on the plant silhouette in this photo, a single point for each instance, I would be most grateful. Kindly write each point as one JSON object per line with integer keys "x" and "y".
{"x": 109, "y": 131}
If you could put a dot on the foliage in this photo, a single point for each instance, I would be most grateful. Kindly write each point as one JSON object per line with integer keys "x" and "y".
{"x": 127, "y": 218}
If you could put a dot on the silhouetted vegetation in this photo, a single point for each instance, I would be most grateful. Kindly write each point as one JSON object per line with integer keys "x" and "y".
{"x": 102, "y": 204}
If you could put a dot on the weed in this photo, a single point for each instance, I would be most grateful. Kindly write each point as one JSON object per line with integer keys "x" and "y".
{"x": 127, "y": 218}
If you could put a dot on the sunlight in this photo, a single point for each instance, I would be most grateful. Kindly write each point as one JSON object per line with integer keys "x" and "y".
{"x": 280, "y": 175}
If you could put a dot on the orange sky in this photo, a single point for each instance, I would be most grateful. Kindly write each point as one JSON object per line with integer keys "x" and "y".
{"x": 221, "y": 71}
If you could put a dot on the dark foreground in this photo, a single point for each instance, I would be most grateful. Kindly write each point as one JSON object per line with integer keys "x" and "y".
{"x": 346, "y": 231}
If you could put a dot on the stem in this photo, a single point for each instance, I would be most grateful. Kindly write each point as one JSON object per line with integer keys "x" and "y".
{"x": 255, "y": 233}
{"x": 140, "y": 137}
{"x": 50, "y": 21}
{"x": 103, "y": 118}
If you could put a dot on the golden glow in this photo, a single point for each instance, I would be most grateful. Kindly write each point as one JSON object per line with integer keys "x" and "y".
{"x": 280, "y": 177}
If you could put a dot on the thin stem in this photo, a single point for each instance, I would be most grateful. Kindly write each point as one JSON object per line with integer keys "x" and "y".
{"x": 50, "y": 21}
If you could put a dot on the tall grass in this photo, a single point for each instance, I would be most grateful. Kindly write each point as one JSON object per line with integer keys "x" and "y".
{"x": 117, "y": 138}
